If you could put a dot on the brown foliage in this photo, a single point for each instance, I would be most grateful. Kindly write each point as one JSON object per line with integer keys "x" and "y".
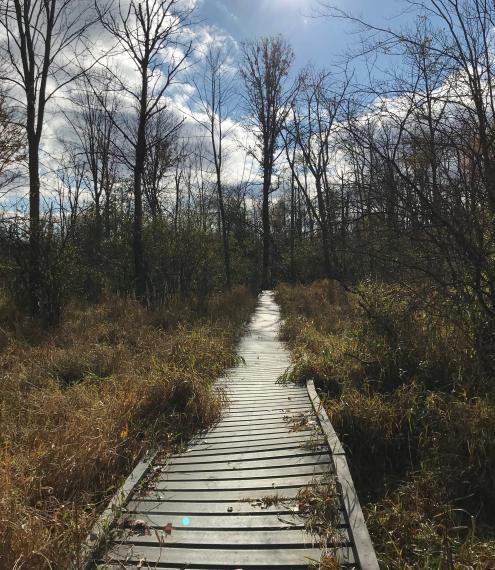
{"x": 81, "y": 405}
{"x": 403, "y": 389}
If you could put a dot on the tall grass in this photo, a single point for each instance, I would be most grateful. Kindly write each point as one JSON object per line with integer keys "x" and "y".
{"x": 406, "y": 392}
{"x": 79, "y": 406}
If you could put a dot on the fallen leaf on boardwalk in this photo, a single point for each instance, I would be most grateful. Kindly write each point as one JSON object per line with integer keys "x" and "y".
{"x": 168, "y": 528}
{"x": 141, "y": 562}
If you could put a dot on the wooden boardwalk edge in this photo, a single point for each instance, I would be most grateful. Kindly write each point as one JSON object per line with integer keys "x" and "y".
{"x": 363, "y": 547}
{"x": 105, "y": 522}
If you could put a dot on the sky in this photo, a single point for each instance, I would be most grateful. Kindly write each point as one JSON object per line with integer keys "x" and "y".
{"x": 317, "y": 40}
{"x": 321, "y": 41}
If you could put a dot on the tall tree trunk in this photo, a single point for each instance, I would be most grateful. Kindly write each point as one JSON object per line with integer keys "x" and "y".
{"x": 225, "y": 234}
{"x": 292, "y": 230}
{"x": 138, "y": 249}
{"x": 265, "y": 218}
{"x": 325, "y": 241}
{"x": 35, "y": 278}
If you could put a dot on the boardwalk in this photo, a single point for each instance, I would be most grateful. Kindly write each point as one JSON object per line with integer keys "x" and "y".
{"x": 229, "y": 501}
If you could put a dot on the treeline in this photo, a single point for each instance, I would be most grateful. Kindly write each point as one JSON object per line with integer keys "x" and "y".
{"x": 267, "y": 175}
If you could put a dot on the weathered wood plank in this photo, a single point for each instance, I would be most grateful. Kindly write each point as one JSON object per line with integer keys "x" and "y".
{"x": 308, "y": 442}
{"x": 220, "y": 558}
{"x": 245, "y": 456}
{"x": 228, "y": 485}
{"x": 252, "y": 464}
{"x": 258, "y": 521}
{"x": 209, "y": 508}
{"x": 228, "y": 474}
{"x": 224, "y": 495}
{"x": 216, "y": 538}
{"x": 282, "y": 440}
{"x": 246, "y": 431}
{"x": 253, "y": 439}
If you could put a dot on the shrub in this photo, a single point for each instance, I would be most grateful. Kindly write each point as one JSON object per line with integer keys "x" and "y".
{"x": 408, "y": 393}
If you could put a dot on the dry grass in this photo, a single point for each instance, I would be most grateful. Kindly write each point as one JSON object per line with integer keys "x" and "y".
{"x": 404, "y": 390}
{"x": 79, "y": 406}
{"x": 319, "y": 505}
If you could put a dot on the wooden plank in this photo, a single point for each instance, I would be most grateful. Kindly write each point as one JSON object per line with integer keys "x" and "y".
{"x": 217, "y": 538}
{"x": 245, "y": 430}
{"x": 307, "y": 442}
{"x": 262, "y": 414}
{"x": 257, "y": 398}
{"x": 260, "y": 404}
{"x": 208, "y": 507}
{"x": 222, "y": 558}
{"x": 282, "y": 410}
{"x": 245, "y": 456}
{"x": 250, "y": 464}
{"x": 221, "y": 496}
{"x": 204, "y": 451}
{"x": 235, "y": 416}
{"x": 292, "y": 427}
{"x": 289, "y": 409}
{"x": 228, "y": 474}
{"x": 248, "y": 430}
{"x": 254, "y": 439}
{"x": 238, "y": 388}
{"x": 250, "y": 423}
{"x": 278, "y": 482}
{"x": 238, "y": 417}
{"x": 210, "y": 521}
{"x": 264, "y": 521}
{"x": 255, "y": 402}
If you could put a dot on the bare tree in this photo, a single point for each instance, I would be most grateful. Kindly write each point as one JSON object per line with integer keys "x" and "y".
{"x": 310, "y": 129}
{"x": 264, "y": 70}
{"x": 151, "y": 33}
{"x": 93, "y": 126}
{"x": 215, "y": 97}
{"x": 422, "y": 147}
{"x": 160, "y": 158}
{"x": 42, "y": 41}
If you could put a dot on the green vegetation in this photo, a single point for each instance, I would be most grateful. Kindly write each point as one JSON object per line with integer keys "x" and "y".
{"x": 80, "y": 405}
{"x": 406, "y": 392}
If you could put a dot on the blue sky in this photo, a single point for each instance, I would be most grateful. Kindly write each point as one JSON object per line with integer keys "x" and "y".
{"x": 320, "y": 41}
